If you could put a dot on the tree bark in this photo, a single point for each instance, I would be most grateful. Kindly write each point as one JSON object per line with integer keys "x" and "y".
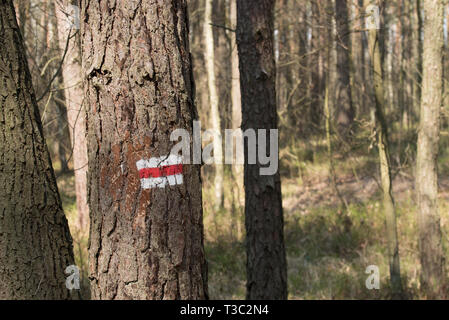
{"x": 76, "y": 113}
{"x": 430, "y": 246}
{"x": 266, "y": 261}
{"x": 35, "y": 242}
{"x": 144, "y": 243}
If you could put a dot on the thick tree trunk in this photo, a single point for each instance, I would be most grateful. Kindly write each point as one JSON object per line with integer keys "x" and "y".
{"x": 35, "y": 243}
{"x": 431, "y": 251}
{"x": 384, "y": 160}
{"x": 343, "y": 103}
{"x": 209, "y": 56}
{"x": 76, "y": 114}
{"x": 266, "y": 261}
{"x": 145, "y": 242}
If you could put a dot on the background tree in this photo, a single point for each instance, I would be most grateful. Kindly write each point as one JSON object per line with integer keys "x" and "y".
{"x": 344, "y": 104}
{"x": 430, "y": 247}
{"x": 236, "y": 100}
{"x": 209, "y": 56}
{"x": 70, "y": 47}
{"x": 266, "y": 261}
{"x": 384, "y": 158}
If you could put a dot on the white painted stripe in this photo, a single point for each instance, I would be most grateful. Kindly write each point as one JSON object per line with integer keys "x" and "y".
{"x": 159, "y": 162}
{"x": 149, "y": 183}
{"x": 141, "y": 164}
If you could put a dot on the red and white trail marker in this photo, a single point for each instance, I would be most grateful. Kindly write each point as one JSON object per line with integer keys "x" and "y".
{"x": 158, "y": 171}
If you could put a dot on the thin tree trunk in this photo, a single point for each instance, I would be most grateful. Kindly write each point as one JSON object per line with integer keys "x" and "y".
{"x": 35, "y": 242}
{"x": 330, "y": 81}
{"x": 76, "y": 114}
{"x": 209, "y": 56}
{"x": 62, "y": 131}
{"x": 343, "y": 103}
{"x": 146, "y": 240}
{"x": 384, "y": 160}
{"x": 266, "y": 261}
{"x": 430, "y": 246}
{"x": 417, "y": 56}
{"x": 23, "y": 11}
{"x": 236, "y": 109}
{"x": 316, "y": 62}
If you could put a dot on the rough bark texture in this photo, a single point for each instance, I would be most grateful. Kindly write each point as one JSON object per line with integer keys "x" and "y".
{"x": 343, "y": 103}
{"x": 431, "y": 251}
{"x": 144, "y": 243}
{"x": 384, "y": 162}
{"x": 76, "y": 113}
{"x": 266, "y": 262}
{"x": 35, "y": 243}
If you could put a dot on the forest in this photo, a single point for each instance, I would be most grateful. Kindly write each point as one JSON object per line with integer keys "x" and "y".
{"x": 224, "y": 149}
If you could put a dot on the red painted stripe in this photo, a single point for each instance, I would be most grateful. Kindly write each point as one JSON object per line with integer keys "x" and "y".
{"x": 160, "y": 172}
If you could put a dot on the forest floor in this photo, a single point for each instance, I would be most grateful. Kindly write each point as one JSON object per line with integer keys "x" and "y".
{"x": 329, "y": 244}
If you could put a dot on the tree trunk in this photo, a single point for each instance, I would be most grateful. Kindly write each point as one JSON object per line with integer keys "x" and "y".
{"x": 417, "y": 55}
{"x": 76, "y": 114}
{"x": 384, "y": 160}
{"x": 431, "y": 251}
{"x": 35, "y": 242}
{"x": 209, "y": 56}
{"x": 146, "y": 240}
{"x": 343, "y": 103}
{"x": 236, "y": 98}
{"x": 316, "y": 63}
{"x": 385, "y": 167}
{"x": 266, "y": 261}
{"x": 23, "y": 10}
{"x": 63, "y": 132}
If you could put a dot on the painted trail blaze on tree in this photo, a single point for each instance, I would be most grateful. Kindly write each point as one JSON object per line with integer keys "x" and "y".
{"x": 146, "y": 235}
{"x": 158, "y": 172}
